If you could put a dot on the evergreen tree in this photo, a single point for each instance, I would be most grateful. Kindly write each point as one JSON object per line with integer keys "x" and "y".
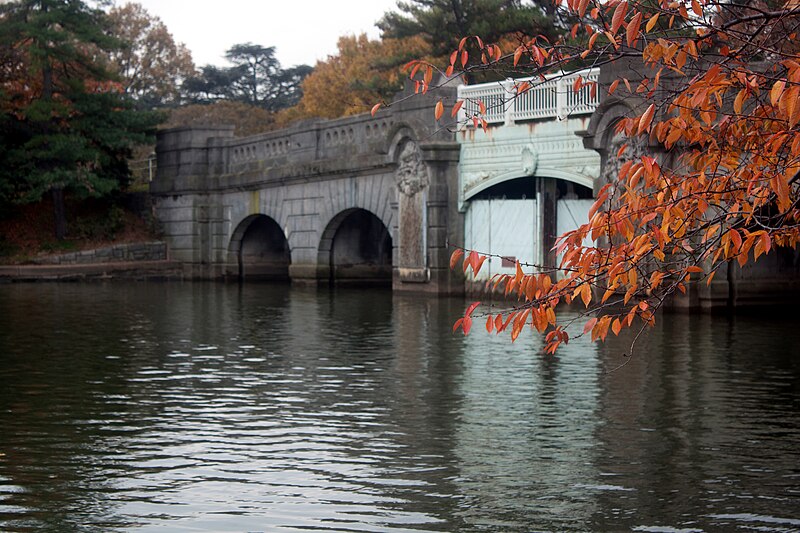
{"x": 65, "y": 122}
{"x": 255, "y": 78}
{"x": 443, "y": 23}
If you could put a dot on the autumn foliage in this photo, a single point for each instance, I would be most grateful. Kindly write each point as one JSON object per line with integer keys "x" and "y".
{"x": 708, "y": 166}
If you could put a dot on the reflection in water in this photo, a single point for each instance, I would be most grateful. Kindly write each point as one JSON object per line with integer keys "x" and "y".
{"x": 263, "y": 408}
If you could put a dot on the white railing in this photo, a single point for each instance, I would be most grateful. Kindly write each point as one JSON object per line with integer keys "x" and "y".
{"x": 552, "y": 97}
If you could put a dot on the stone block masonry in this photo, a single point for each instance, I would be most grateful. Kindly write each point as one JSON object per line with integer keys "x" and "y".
{"x": 145, "y": 251}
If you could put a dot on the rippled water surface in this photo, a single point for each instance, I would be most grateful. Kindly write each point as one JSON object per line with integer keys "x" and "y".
{"x": 203, "y": 407}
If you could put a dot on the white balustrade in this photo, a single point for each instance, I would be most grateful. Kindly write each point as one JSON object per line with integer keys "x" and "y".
{"x": 552, "y": 97}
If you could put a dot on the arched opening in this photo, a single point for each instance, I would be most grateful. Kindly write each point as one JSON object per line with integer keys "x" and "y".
{"x": 519, "y": 220}
{"x": 360, "y": 250}
{"x": 263, "y": 251}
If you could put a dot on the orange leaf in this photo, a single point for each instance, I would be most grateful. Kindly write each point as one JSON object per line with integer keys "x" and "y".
{"x": 454, "y": 258}
{"x": 477, "y": 267}
{"x": 489, "y": 323}
{"x": 646, "y": 119}
{"x": 375, "y": 108}
{"x": 613, "y": 87}
{"x": 632, "y": 31}
{"x": 652, "y": 22}
{"x": 456, "y": 107}
{"x": 777, "y": 91}
{"x": 619, "y": 16}
{"x": 588, "y": 326}
{"x": 439, "y": 110}
{"x": 586, "y": 294}
{"x": 517, "y": 55}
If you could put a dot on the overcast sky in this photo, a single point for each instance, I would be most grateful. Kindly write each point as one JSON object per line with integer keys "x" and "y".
{"x": 302, "y": 31}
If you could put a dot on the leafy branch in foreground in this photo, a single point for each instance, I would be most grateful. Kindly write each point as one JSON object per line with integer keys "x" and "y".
{"x": 707, "y": 160}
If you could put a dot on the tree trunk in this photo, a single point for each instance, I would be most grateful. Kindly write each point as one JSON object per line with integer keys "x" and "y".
{"x": 59, "y": 213}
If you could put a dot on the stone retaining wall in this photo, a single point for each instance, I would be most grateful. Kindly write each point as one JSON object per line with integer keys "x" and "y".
{"x": 142, "y": 251}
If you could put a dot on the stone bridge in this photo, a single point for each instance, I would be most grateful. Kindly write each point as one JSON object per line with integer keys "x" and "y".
{"x": 377, "y": 199}
{"x": 362, "y": 199}
{"x": 380, "y": 199}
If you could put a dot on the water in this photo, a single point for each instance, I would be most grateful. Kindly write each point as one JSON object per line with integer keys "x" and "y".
{"x": 207, "y": 407}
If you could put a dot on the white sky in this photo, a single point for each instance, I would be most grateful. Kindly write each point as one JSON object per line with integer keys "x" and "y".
{"x": 302, "y": 31}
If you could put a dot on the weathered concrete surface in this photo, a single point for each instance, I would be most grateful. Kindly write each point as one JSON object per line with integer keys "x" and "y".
{"x": 140, "y": 251}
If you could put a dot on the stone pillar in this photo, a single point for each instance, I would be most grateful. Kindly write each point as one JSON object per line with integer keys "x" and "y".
{"x": 412, "y": 182}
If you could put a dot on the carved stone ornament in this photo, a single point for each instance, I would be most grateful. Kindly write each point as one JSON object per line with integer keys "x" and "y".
{"x": 412, "y": 173}
{"x": 529, "y": 160}
{"x": 634, "y": 150}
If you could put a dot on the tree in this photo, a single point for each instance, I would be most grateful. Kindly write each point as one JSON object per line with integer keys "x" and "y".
{"x": 443, "y": 23}
{"x": 362, "y": 72}
{"x": 708, "y": 169}
{"x": 247, "y": 119}
{"x": 66, "y": 123}
{"x": 151, "y": 64}
{"x": 255, "y": 77}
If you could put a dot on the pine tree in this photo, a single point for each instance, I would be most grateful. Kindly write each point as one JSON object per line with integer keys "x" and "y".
{"x": 66, "y": 124}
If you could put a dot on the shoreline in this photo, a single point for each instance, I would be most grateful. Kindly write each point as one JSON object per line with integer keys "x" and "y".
{"x": 160, "y": 270}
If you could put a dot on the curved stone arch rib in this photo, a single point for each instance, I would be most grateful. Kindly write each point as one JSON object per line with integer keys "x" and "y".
{"x": 399, "y": 134}
{"x": 541, "y": 172}
{"x": 234, "y": 265}
{"x": 603, "y": 121}
{"x": 333, "y": 224}
{"x": 363, "y": 270}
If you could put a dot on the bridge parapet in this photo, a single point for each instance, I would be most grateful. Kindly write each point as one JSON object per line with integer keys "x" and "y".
{"x": 553, "y": 98}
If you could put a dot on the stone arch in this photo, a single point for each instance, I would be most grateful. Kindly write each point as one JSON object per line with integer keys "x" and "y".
{"x": 400, "y": 134}
{"x": 567, "y": 175}
{"x": 600, "y": 135}
{"x": 259, "y": 250}
{"x": 357, "y": 247}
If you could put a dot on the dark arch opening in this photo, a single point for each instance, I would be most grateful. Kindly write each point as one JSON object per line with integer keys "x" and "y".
{"x": 263, "y": 251}
{"x": 521, "y": 188}
{"x": 361, "y": 251}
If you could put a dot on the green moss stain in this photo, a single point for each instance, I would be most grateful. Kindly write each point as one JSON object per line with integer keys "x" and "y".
{"x": 255, "y": 202}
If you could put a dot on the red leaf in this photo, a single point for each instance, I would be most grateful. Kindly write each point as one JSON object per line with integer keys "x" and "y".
{"x": 471, "y": 308}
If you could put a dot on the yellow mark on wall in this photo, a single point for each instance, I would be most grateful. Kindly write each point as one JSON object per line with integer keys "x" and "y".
{"x": 255, "y": 202}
